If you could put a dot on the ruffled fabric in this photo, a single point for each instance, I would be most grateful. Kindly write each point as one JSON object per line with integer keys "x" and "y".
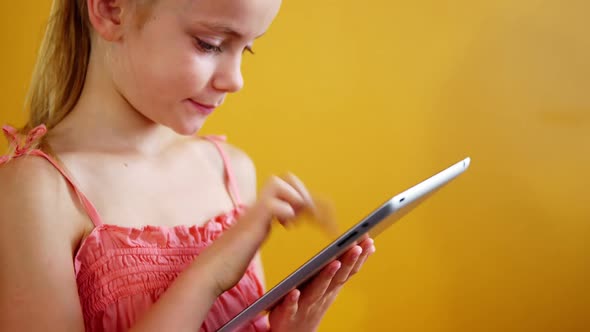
{"x": 122, "y": 271}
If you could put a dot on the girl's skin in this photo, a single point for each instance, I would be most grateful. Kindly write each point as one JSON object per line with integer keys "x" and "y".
{"x": 129, "y": 144}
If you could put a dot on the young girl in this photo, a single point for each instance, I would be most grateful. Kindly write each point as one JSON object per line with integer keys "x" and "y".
{"x": 99, "y": 187}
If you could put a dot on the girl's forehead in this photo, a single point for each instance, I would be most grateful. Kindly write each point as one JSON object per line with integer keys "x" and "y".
{"x": 249, "y": 17}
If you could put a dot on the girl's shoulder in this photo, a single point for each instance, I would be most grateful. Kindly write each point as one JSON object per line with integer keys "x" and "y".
{"x": 237, "y": 162}
{"x": 40, "y": 228}
{"x": 34, "y": 197}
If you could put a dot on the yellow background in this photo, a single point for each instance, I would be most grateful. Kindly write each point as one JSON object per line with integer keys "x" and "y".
{"x": 362, "y": 99}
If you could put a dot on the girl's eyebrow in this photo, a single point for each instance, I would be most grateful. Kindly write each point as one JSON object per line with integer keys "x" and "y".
{"x": 225, "y": 29}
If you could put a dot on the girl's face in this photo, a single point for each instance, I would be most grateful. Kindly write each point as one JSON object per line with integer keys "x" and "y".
{"x": 186, "y": 57}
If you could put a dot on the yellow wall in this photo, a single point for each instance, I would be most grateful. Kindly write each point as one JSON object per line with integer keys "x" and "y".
{"x": 363, "y": 99}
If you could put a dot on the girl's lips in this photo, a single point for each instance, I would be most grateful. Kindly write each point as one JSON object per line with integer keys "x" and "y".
{"x": 202, "y": 108}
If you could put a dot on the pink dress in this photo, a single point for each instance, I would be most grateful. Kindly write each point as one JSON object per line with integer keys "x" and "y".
{"x": 122, "y": 271}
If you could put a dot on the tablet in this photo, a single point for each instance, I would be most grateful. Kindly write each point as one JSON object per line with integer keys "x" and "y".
{"x": 378, "y": 220}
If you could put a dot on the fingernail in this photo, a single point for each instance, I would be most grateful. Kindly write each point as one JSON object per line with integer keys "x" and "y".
{"x": 295, "y": 297}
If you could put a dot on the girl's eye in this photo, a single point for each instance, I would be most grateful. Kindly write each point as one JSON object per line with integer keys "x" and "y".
{"x": 206, "y": 47}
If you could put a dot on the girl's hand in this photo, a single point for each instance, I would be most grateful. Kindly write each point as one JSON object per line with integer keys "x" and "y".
{"x": 282, "y": 198}
{"x": 302, "y": 310}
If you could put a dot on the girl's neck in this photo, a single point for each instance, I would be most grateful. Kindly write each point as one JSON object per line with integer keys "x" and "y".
{"x": 103, "y": 121}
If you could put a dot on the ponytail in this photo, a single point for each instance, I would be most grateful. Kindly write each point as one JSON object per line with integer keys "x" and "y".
{"x": 62, "y": 62}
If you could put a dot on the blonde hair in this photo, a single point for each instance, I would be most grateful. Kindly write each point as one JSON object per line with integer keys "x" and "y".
{"x": 62, "y": 62}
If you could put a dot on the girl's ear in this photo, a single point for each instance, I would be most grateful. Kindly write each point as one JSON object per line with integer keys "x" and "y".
{"x": 108, "y": 17}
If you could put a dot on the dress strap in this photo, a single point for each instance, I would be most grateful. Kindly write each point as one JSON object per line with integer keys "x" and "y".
{"x": 20, "y": 145}
{"x": 229, "y": 173}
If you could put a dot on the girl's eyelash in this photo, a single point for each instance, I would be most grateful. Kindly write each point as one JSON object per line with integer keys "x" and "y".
{"x": 207, "y": 48}
{"x": 249, "y": 49}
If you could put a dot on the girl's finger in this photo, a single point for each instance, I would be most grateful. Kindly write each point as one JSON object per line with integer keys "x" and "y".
{"x": 280, "y": 210}
{"x": 288, "y": 307}
{"x": 321, "y": 210}
{"x": 368, "y": 249}
{"x": 280, "y": 188}
{"x": 291, "y": 304}
{"x": 349, "y": 260}
{"x": 296, "y": 184}
{"x": 318, "y": 286}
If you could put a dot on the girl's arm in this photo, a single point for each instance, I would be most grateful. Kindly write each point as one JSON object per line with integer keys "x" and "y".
{"x": 186, "y": 303}
{"x": 40, "y": 227}
{"x": 39, "y": 231}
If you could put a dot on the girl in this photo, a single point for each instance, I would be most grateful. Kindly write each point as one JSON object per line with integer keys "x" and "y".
{"x": 99, "y": 186}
